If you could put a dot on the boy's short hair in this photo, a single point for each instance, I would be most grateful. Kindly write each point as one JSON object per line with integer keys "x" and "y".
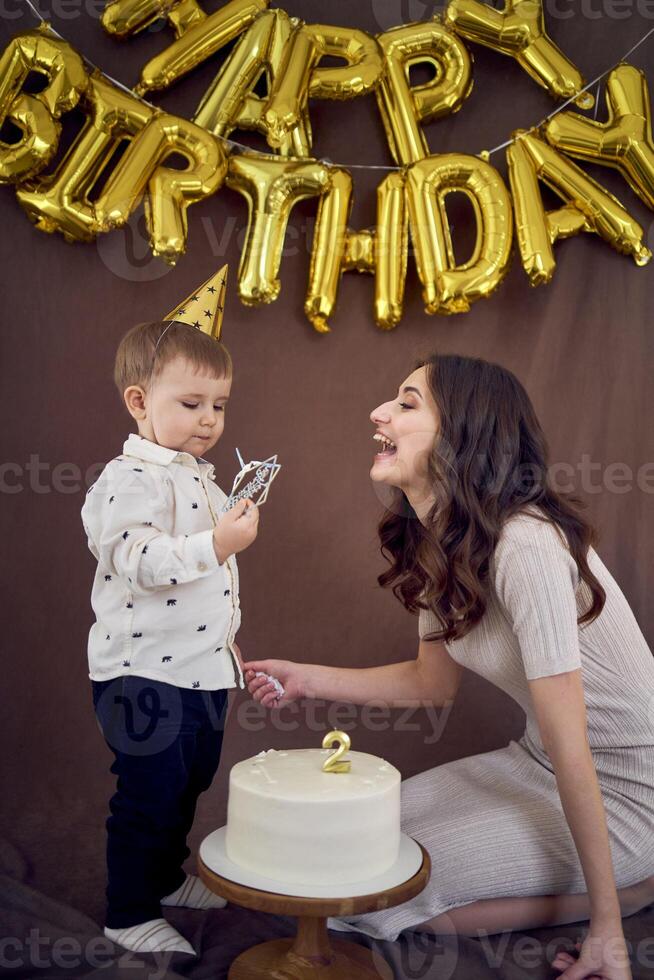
{"x": 136, "y": 363}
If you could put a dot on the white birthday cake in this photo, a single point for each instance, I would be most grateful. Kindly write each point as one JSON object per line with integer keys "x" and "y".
{"x": 289, "y": 820}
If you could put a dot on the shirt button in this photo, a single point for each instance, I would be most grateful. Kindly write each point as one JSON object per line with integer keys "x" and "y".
{"x": 202, "y": 566}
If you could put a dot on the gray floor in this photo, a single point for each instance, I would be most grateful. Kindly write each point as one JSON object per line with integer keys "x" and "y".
{"x": 44, "y": 937}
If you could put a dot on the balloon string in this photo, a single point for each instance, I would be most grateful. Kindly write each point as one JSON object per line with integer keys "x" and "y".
{"x": 364, "y": 166}
{"x": 574, "y": 97}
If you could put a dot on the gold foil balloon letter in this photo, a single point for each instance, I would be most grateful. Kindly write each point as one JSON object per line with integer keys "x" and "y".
{"x": 230, "y": 102}
{"x": 170, "y": 191}
{"x": 448, "y": 287}
{"x": 124, "y": 17}
{"x": 381, "y": 251}
{"x": 624, "y": 141}
{"x": 36, "y": 116}
{"x": 403, "y": 106}
{"x": 519, "y": 31}
{"x": 271, "y": 188}
{"x": 60, "y": 201}
{"x": 198, "y": 37}
{"x": 301, "y": 77}
{"x": 589, "y": 207}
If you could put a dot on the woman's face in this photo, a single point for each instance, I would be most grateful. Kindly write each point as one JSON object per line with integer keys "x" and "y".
{"x": 410, "y": 421}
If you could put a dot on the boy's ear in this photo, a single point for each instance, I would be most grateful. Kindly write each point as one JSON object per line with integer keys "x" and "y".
{"x": 135, "y": 401}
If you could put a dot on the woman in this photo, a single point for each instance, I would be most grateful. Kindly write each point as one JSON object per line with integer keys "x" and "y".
{"x": 556, "y": 827}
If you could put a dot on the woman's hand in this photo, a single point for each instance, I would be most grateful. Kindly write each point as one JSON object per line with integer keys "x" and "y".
{"x": 289, "y": 674}
{"x": 603, "y": 956}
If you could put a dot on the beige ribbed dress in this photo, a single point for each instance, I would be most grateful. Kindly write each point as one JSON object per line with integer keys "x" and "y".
{"x": 493, "y": 823}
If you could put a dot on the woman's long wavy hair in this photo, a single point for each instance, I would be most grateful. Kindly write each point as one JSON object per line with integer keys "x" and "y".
{"x": 489, "y": 461}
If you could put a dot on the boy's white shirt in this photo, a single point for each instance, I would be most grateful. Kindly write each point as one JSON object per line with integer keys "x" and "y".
{"x": 165, "y": 608}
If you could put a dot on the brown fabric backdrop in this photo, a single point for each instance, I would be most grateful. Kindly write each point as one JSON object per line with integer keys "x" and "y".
{"x": 583, "y": 346}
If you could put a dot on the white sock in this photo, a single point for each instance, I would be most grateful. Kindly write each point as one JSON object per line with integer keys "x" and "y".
{"x": 156, "y": 935}
{"x": 193, "y": 894}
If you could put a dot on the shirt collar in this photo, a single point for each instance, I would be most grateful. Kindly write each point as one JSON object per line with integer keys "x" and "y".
{"x": 142, "y": 448}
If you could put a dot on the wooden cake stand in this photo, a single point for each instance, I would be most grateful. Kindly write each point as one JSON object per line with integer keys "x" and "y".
{"x": 310, "y": 955}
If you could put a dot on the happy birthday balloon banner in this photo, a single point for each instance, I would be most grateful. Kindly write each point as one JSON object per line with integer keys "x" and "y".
{"x": 412, "y": 198}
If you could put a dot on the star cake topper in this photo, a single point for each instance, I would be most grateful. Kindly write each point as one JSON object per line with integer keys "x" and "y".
{"x": 252, "y": 481}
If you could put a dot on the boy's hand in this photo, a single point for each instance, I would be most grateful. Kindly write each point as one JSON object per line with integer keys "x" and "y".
{"x": 289, "y": 674}
{"x": 236, "y": 529}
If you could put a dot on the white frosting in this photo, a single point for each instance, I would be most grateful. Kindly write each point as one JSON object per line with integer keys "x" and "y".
{"x": 279, "y": 687}
{"x": 290, "y": 821}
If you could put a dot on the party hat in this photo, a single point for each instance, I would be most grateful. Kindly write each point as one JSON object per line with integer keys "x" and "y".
{"x": 204, "y": 308}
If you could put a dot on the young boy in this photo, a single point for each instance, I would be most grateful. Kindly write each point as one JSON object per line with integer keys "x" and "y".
{"x": 162, "y": 653}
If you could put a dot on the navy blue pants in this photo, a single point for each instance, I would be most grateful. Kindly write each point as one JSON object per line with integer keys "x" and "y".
{"x": 166, "y": 741}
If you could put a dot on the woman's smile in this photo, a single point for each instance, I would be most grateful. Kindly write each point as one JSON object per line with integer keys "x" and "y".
{"x": 387, "y": 449}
